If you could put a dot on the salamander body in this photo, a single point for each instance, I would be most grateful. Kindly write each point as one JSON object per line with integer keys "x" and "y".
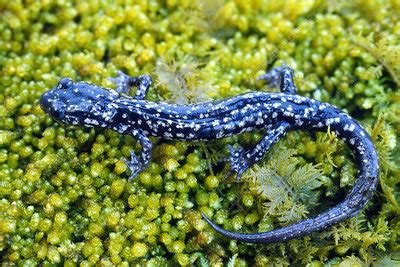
{"x": 88, "y": 105}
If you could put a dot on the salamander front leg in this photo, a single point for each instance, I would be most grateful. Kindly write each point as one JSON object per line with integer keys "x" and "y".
{"x": 137, "y": 164}
{"x": 241, "y": 160}
{"x": 280, "y": 77}
{"x": 124, "y": 82}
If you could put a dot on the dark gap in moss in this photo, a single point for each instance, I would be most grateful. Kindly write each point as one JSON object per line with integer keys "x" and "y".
{"x": 48, "y": 28}
{"x": 162, "y": 12}
{"x": 56, "y": 53}
{"x": 76, "y": 237}
{"x": 78, "y": 19}
{"x": 219, "y": 167}
{"x": 270, "y": 63}
{"x": 106, "y": 56}
{"x": 354, "y": 81}
{"x": 7, "y": 246}
{"x": 359, "y": 113}
{"x": 387, "y": 79}
{"x": 335, "y": 93}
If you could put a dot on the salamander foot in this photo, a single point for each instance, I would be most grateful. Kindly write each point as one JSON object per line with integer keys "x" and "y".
{"x": 238, "y": 161}
{"x": 135, "y": 165}
{"x": 280, "y": 77}
{"x": 124, "y": 82}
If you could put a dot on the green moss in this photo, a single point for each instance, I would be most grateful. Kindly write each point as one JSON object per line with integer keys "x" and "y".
{"x": 64, "y": 193}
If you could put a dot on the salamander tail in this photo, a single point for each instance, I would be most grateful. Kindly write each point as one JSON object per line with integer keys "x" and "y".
{"x": 365, "y": 185}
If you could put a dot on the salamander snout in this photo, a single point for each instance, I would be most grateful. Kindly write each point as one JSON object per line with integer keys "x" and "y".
{"x": 77, "y": 103}
{"x": 53, "y": 107}
{"x": 54, "y": 102}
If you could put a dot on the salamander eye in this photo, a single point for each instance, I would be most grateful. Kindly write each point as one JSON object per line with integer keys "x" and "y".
{"x": 65, "y": 83}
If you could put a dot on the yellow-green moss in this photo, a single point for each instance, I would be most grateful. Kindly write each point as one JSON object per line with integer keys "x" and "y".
{"x": 64, "y": 193}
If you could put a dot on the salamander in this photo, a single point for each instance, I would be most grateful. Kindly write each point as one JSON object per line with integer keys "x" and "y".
{"x": 89, "y": 105}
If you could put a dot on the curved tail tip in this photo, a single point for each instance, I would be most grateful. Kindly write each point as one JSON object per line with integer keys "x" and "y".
{"x": 226, "y": 233}
{"x": 206, "y": 218}
{"x": 212, "y": 224}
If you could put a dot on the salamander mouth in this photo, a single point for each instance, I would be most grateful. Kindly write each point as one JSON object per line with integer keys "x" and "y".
{"x": 55, "y": 108}
{"x": 45, "y": 102}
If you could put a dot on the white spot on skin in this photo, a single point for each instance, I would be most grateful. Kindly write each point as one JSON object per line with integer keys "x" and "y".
{"x": 329, "y": 121}
{"x": 277, "y": 105}
{"x": 167, "y": 135}
{"x": 219, "y": 135}
{"x": 123, "y": 128}
{"x": 91, "y": 121}
{"x": 259, "y": 121}
{"x": 229, "y": 126}
{"x": 288, "y": 114}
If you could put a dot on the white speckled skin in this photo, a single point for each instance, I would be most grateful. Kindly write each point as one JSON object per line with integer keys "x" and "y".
{"x": 89, "y": 105}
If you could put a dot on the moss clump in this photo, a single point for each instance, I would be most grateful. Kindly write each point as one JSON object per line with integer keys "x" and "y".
{"x": 64, "y": 194}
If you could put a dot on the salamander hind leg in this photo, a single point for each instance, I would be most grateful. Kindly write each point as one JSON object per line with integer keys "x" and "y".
{"x": 124, "y": 82}
{"x": 241, "y": 160}
{"x": 138, "y": 164}
{"x": 239, "y": 163}
{"x": 280, "y": 77}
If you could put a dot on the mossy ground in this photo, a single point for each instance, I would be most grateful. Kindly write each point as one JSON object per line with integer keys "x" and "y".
{"x": 65, "y": 197}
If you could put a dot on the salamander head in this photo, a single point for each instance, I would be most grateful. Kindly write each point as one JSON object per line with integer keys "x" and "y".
{"x": 78, "y": 103}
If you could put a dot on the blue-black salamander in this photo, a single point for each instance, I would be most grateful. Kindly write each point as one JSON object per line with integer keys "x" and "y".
{"x": 88, "y": 105}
